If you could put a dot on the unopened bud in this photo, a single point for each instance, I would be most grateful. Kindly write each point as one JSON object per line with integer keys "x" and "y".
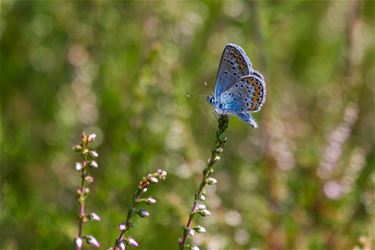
{"x": 217, "y": 158}
{"x": 143, "y": 212}
{"x": 219, "y": 150}
{"x": 91, "y": 138}
{"x": 79, "y": 242}
{"x": 122, "y": 227}
{"x": 202, "y": 197}
{"x": 94, "y": 217}
{"x": 94, "y": 154}
{"x": 150, "y": 201}
{"x": 93, "y": 164}
{"x": 92, "y": 241}
{"x": 162, "y": 174}
{"x": 152, "y": 179}
{"x": 201, "y": 207}
{"x": 211, "y": 181}
{"x": 78, "y": 166}
{"x": 132, "y": 242}
{"x": 89, "y": 179}
{"x": 122, "y": 245}
{"x": 204, "y": 212}
{"x": 194, "y": 247}
{"x": 190, "y": 231}
{"x": 86, "y": 190}
{"x": 199, "y": 229}
{"x": 77, "y": 148}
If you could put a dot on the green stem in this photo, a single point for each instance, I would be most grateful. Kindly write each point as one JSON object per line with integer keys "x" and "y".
{"x": 215, "y": 156}
{"x": 127, "y": 222}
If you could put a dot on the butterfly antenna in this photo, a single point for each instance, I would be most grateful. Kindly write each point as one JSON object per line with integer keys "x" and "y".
{"x": 189, "y": 95}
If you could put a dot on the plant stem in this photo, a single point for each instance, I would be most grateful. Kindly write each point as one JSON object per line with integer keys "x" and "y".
{"x": 82, "y": 195}
{"x": 127, "y": 222}
{"x": 81, "y": 205}
{"x": 215, "y": 156}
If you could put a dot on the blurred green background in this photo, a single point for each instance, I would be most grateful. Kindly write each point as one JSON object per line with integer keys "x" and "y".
{"x": 123, "y": 69}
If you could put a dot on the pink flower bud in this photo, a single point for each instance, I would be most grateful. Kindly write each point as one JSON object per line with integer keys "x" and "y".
{"x": 162, "y": 173}
{"x": 121, "y": 227}
{"x": 91, "y": 138}
{"x": 94, "y": 154}
{"x": 132, "y": 242}
{"x": 122, "y": 245}
{"x": 92, "y": 241}
{"x": 79, "y": 242}
{"x": 89, "y": 179}
{"x": 94, "y": 217}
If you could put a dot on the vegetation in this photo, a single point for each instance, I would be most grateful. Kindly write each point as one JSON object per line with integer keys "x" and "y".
{"x": 133, "y": 72}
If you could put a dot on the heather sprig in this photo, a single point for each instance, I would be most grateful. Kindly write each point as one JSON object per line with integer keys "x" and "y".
{"x": 139, "y": 198}
{"x": 88, "y": 162}
{"x": 198, "y": 206}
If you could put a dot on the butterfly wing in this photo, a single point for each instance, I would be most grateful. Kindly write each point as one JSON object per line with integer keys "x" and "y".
{"x": 247, "y": 94}
{"x": 234, "y": 65}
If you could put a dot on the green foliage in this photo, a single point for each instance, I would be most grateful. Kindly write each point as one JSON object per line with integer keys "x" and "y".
{"x": 122, "y": 69}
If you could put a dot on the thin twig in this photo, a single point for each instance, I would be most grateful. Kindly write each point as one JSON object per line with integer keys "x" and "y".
{"x": 199, "y": 196}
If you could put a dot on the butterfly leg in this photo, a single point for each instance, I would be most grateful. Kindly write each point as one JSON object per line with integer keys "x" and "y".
{"x": 248, "y": 119}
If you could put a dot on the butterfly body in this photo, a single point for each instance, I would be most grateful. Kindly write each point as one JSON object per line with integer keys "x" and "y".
{"x": 239, "y": 88}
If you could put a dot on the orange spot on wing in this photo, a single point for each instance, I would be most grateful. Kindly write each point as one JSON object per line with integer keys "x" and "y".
{"x": 253, "y": 107}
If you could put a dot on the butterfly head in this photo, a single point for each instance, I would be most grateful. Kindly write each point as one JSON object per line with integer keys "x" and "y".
{"x": 217, "y": 104}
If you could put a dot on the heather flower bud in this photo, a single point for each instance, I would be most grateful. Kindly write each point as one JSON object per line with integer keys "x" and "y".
{"x": 150, "y": 201}
{"x": 219, "y": 150}
{"x": 144, "y": 190}
{"x": 77, "y": 148}
{"x": 89, "y": 179}
{"x": 190, "y": 231}
{"x": 91, "y": 138}
{"x": 152, "y": 179}
{"x": 211, "y": 181}
{"x": 121, "y": 227}
{"x": 162, "y": 174}
{"x": 202, "y": 197}
{"x": 86, "y": 190}
{"x": 199, "y": 229}
{"x": 79, "y": 242}
{"x": 93, "y": 164}
{"x": 204, "y": 212}
{"x": 194, "y": 247}
{"x": 132, "y": 242}
{"x": 143, "y": 212}
{"x": 217, "y": 158}
{"x": 93, "y": 154}
{"x": 78, "y": 166}
{"x": 94, "y": 217}
{"x": 201, "y": 207}
{"x": 92, "y": 241}
{"x": 122, "y": 245}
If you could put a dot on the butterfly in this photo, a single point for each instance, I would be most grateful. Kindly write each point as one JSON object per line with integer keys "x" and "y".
{"x": 239, "y": 89}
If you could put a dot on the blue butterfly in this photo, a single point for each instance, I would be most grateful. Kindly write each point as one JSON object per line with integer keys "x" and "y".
{"x": 239, "y": 88}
